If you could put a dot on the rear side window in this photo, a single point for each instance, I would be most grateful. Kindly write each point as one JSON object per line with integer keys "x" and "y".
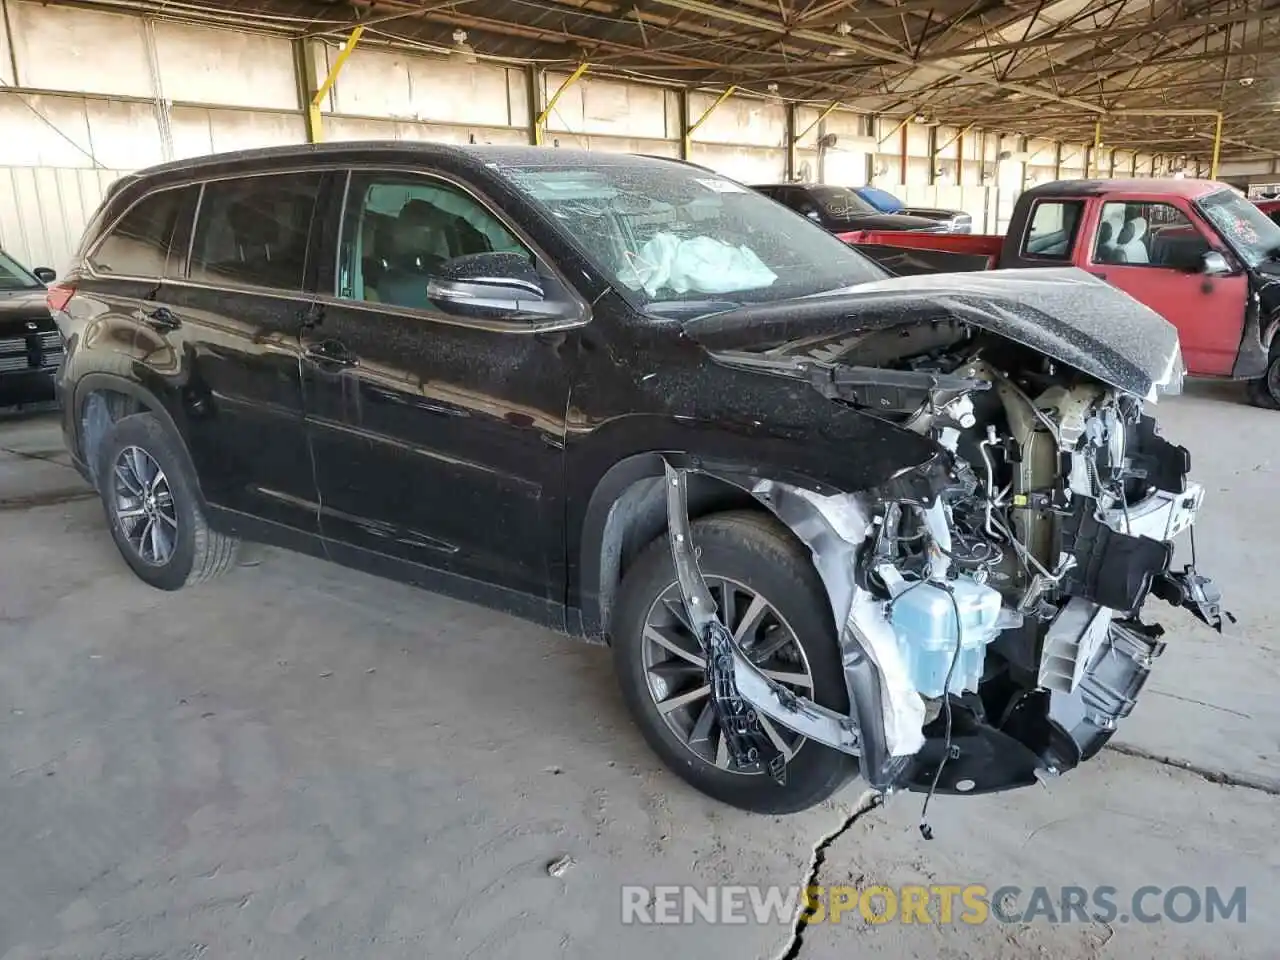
{"x": 1051, "y": 232}
{"x": 139, "y": 244}
{"x": 255, "y": 231}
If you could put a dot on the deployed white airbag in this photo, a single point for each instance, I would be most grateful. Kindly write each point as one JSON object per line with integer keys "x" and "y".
{"x": 698, "y": 264}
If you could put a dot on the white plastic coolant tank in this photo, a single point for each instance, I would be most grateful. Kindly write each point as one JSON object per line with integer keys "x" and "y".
{"x": 924, "y": 621}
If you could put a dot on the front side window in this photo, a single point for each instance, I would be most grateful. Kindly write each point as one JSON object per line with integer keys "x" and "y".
{"x": 676, "y": 240}
{"x": 13, "y": 276}
{"x": 1252, "y": 235}
{"x": 1051, "y": 233}
{"x": 139, "y": 243}
{"x": 255, "y": 231}
{"x": 1147, "y": 234}
{"x": 399, "y": 230}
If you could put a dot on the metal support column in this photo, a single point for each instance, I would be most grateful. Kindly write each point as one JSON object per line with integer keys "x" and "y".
{"x": 315, "y": 121}
{"x": 933, "y": 156}
{"x": 1217, "y": 146}
{"x": 1057, "y": 161}
{"x": 687, "y": 143}
{"x": 1091, "y": 168}
{"x": 540, "y": 124}
{"x": 902, "y": 158}
{"x": 789, "y": 174}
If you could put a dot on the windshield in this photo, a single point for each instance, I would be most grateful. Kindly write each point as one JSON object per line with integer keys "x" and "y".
{"x": 1251, "y": 233}
{"x": 681, "y": 241}
{"x": 841, "y": 202}
{"x": 14, "y": 277}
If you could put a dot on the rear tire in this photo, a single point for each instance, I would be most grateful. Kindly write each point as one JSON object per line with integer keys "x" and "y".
{"x": 755, "y": 552}
{"x": 153, "y": 506}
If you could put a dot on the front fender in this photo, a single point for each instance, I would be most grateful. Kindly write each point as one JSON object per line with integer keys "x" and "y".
{"x": 617, "y": 469}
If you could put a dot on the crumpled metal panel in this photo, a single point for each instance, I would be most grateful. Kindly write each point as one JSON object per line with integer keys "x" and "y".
{"x": 1066, "y": 314}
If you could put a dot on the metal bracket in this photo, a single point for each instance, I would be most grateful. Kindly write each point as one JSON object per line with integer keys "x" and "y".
{"x": 686, "y": 143}
{"x": 315, "y": 127}
{"x": 737, "y": 684}
{"x": 540, "y": 122}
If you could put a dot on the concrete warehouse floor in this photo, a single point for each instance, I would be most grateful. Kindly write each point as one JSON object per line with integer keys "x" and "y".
{"x": 301, "y": 761}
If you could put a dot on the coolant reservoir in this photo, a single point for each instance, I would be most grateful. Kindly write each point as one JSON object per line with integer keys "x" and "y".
{"x": 924, "y": 622}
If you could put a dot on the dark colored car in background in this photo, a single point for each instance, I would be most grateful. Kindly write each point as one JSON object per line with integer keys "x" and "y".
{"x": 955, "y": 221}
{"x": 30, "y": 345}
{"x": 840, "y": 209}
{"x": 539, "y": 379}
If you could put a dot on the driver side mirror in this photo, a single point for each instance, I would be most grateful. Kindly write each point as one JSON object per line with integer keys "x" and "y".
{"x": 45, "y": 274}
{"x": 498, "y": 286}
{"x": 1214, "y": 264}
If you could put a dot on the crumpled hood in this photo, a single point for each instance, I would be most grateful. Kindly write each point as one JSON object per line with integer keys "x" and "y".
{"x": 1066, "y": 314}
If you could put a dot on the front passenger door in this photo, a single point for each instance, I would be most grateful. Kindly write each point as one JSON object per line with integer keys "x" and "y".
{"x": 1153, "y": 253}
{"x": 438, "y": 437}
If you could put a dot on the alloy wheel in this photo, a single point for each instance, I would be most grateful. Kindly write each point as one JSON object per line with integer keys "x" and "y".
{"x": 675, "y": 668}
{"x": 143, "y": 507}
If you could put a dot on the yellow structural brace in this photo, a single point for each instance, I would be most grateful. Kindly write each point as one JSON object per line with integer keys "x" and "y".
{"x": 314, "y": 117}
{"x": 826, "y": 112}
{"x": 687, "y": 145}
{"x": 540, "y": 124}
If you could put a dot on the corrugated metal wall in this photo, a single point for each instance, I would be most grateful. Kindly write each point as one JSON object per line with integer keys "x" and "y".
{"x": 43, "y": 211}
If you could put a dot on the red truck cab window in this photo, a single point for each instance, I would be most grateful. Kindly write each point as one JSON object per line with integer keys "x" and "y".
{"x": 1051, "y": 230}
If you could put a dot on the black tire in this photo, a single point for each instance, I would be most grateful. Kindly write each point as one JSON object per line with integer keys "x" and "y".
{"x": 757, "y": 551}
{"x": 198, "y": 553}
{"x": 1265, "y": 391}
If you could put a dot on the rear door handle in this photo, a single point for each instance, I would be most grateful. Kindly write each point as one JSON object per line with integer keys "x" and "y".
{"x": 1100, "y": 276}
{"x": 330, "y": 353}
{"x": 161, "y": 318}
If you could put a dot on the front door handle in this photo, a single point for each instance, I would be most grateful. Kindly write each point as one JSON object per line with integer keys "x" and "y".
{"x": 330, "y": 353}
{"x": 161, "y": 318}
{"x": 1100, "y": 276}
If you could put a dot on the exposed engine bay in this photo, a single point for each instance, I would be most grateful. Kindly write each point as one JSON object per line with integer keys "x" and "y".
{"x": 988, "y": 604}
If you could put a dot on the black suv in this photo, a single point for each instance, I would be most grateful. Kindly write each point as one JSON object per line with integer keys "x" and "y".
{"x": 631, "y": 399}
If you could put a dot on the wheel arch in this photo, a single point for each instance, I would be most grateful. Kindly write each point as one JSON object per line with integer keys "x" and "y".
{"x": 628, "y": 510}
{"x": 121, "y": 397}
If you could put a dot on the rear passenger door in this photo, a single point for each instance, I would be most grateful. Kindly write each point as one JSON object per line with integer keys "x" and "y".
{"x": 230, "y": 338}
{"x": 438, "y": 439}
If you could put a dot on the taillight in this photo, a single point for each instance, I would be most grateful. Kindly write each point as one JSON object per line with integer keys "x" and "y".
{"x": 59, "y": 295}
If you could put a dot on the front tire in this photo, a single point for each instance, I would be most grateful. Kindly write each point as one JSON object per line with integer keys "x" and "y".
{"x": 1265, "y": 391}
{"x": 153, "y": 506}
{"x": 777, "y": 607}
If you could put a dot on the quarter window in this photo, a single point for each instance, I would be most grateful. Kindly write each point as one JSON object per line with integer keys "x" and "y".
{"x": 1051, "y": 234}
{"x": 255, "y": 231}
{"x": 399, "y": 230}
{"x": 139, "y": 244}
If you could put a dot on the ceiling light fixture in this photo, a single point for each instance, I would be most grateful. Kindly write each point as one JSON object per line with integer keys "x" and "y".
{"x": 461, "y": 49}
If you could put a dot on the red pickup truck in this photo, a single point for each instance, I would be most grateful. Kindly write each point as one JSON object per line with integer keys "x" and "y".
{"x": 1195, "y": 251}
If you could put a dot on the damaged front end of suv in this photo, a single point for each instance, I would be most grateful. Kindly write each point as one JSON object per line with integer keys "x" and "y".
{"x": 988, "y": 602}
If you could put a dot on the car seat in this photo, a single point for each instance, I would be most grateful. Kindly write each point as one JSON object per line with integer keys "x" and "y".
{"x": 1132, "y": 242}
{"x": 1108, "y": 251}
{"x": 412, "y": 246}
